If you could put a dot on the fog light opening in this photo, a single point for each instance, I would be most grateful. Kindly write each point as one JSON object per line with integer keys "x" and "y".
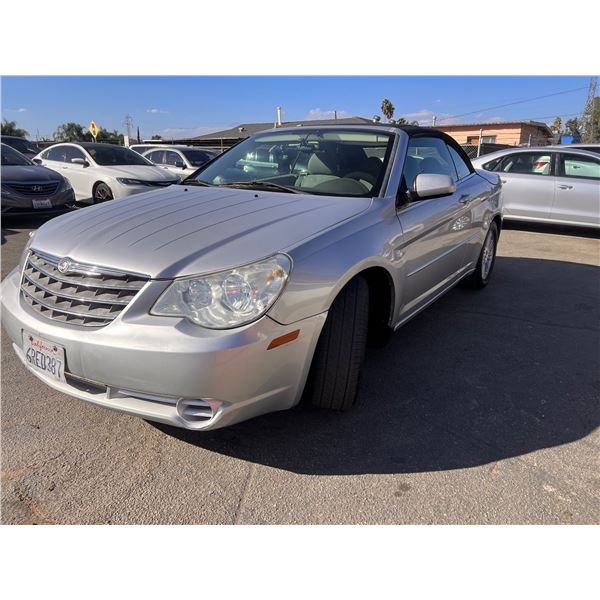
{"x": 196, "y": 410}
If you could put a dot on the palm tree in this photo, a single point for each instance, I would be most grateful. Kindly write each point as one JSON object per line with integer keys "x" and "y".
{"x": 10, "y": 128}
{"x": 387, "y": 108}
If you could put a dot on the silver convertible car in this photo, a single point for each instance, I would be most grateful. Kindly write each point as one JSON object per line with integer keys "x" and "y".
{"x": 257, "y": 281}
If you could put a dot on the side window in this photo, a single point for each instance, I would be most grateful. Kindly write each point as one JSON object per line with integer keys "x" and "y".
{"x": 172, "y": 158}
{"x": 493, "y": 164}
{"x": 70, "y": 152}
{"x": 582, "y": 167}
{"x": 527, "y": 163}
{"x": 462, "y": 168}
{"x": 56, "y": 153}
{"x": 427, "y": 155}
{"x": 156, "y": 156}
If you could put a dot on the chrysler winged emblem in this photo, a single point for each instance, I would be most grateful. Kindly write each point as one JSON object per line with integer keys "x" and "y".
{"x": 64, "y": 264}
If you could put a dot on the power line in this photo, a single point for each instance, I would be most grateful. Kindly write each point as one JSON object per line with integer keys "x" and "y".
{"x": 474, "y": 112}
{"x": 524, "y": 119}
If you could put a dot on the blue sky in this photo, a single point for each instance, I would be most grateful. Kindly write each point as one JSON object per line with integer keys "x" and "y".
{"x": 185, "y": 106}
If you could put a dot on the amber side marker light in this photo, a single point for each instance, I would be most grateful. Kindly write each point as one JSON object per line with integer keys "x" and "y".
{"x": 284, "y": 339}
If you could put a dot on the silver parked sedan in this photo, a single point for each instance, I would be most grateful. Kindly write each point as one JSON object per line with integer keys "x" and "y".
{"x": 257, "y": 281}
{"x": 549, "y": 184}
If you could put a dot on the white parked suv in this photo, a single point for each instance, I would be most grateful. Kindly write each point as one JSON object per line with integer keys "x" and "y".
{"x": 180, "y": 160}
{"x": 100, "y": 172}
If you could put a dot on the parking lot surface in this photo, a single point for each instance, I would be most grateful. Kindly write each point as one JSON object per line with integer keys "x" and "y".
{"x": 483, "y": 409}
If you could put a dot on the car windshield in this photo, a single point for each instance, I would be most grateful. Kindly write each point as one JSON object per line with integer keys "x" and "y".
{"x": 108, "y": 155}
{"x": 332, "y": 162}
{"x": 10, "y": 157}
{"x": 23, "y": 145}
{"x": 197, "y": 158}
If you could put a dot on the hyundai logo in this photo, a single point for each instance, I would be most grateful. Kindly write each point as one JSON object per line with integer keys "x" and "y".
{"x": 64, "y": 265}
{"x": 37, "y": 188}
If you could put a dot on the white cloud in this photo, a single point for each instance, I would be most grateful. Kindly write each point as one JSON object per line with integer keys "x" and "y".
{"x": 19, "y": 110}
{"x": 315, "y": 114}
{"x": 22, "y": 109}
{"x": 156, "y": 111}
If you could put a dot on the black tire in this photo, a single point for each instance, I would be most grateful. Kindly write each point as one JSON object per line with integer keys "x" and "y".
{"x": 102, "y": 193}
{"x": 481, "y": 276}
{"x": 335, "y": 370}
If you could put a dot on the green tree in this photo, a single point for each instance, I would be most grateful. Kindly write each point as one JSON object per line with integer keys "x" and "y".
{"x": 70, "y": 132}
{"x": 591, "y": 122}
{"x": 110, "y": 137}
{"x": 156, "y": 137}
{"x": 573, "y": 126}
{"x": 387, "y": 108}
{"x": 10, "y": 128}
{"x": 556, "y": 126}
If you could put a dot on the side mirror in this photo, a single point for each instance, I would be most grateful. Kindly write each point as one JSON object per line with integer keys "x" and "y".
{"x": 432, "y": 184}
{"x": 37, "y": 161}
{"x": 180, "y": 164}
{"x": 80, "y": 161}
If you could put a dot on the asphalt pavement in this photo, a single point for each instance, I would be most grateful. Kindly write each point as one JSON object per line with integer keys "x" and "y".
{"x": 483, "y": 409}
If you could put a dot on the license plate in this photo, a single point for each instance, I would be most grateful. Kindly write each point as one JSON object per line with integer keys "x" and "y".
{"x": 45, "y": 356}
{"x": 42, "y": 203}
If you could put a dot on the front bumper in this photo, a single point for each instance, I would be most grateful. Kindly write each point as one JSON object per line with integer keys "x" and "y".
{"x": 149, "y": 366}
{"x": 15, "y": 203}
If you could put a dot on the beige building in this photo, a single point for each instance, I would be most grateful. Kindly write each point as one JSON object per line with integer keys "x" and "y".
{"x": 515, "y": 133}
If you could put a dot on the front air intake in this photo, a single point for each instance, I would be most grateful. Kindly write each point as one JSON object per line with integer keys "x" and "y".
{"x": 194, "y": 410}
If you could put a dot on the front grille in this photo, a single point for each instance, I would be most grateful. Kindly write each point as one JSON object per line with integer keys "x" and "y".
{"x": 84, "y": 295}
{"x": 35, "y": 189}
{"x": 160, "y": 183}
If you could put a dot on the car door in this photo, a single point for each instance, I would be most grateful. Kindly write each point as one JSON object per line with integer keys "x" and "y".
{"x": 577, "y": 197}
{"x": 80, "y": 176}
{"x": 54, "y": 158}
{"x": 156, "y": 156}
{"x": 174, "y": 162}
{"x": 528, "y": 184}
{"x": 433, "y": 245}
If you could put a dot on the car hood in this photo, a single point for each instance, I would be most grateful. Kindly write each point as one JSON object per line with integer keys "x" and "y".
{"x": 186, "y": 230}
{"x": 143, "y": 172}
{"x": 29, "y": 174}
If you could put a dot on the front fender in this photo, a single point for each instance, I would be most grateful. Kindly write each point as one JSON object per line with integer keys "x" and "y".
{"x": 323, "y": 265}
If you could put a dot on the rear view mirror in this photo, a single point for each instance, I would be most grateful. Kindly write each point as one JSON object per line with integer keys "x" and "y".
{"x": 80, "y": 161}
{"x": 180, "y": 164}
{"x": 37, "y": 161}
{"x": 428, "y": 185}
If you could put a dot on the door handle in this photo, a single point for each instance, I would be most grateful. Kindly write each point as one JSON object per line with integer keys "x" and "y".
{"x": 565, "y": 187}
{"x": 466, "y": 199}
{"x": 503, "y": 180}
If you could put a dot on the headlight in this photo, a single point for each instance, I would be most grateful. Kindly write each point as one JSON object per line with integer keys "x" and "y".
{"x": 26, "y": 250}
{"x": 66, "y": 185}
{"x": 126, "y": 181}
{"x": 229, "y": 298}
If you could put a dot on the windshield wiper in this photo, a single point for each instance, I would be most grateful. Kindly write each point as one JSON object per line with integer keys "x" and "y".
{"x": 261, "y": 185}
{"x": 196, "y": 182}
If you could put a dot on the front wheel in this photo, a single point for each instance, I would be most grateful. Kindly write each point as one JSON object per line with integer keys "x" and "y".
{"x": 102, "y": 193}
{"x": 334, "y": 376}
{"x": 487, "y": 258}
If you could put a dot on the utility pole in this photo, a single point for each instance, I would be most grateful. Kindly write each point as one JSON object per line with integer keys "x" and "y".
{"x": 588, "y": 112}
{"x": 335, "y": 115}
{"x": 128, "y": 124}
{"x": 434, "y": 120}
{"x": 479, "y": 145}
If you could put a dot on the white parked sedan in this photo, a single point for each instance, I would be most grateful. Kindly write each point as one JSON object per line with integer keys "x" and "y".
{"x": 548, "y": 184}
{"x": 100, "y": 172}
{"x": 180, "y": 160}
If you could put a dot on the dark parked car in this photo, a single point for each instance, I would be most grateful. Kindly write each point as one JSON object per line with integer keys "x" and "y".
{"x": 25, "y": 147}
{"x": 27, "y": 187}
